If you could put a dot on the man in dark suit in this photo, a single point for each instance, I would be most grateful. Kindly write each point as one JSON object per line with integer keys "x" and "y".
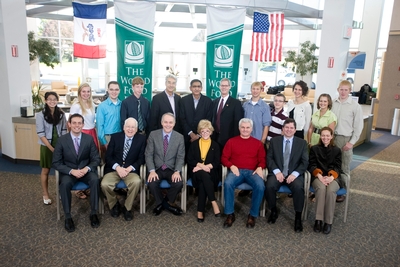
{"x": 194, "y": 108}
{"x": 76, "y": 158}
{"x": 124, "y": 156}
{"x": 227, "y": 112}
{"x": 287, "y": 160}
{"x": 165, "y": 154}
{"x": 137, "y": 107}
{"x": 165, "y": 102}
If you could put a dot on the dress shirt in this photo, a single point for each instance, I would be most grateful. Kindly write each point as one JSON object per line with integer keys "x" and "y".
{"x": 79, "y": 142}
{"x": 171, "y": 99}
{"x": 108, "y": 119}
{"x": 196, "y": 102}
{"x": 219, "y": 103}
{"x": 260, "y": 113}
{"x": 276, "y": 171}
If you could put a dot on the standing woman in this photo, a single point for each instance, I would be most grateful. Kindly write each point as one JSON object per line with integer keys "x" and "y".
{"x": 50, "y": 124}
{"x": 204, "y": 159}
{"x": 323, "y": 117}
{"x": 325, "y": 166}
{"x": 84, "y": 106}
{"x": 300, "y": 109}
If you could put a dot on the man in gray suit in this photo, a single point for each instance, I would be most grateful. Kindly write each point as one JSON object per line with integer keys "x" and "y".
{"x": 76, "y": 158}
{"x": 165, "y": 155}
{"x": 289, "y": 172}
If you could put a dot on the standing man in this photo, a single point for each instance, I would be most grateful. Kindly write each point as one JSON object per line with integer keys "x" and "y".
{"x": 165, "y": 157}
{"x": 227, "y": 112}
{"x": 349, "y": 126}
{"x": 278, "y": 116}
{"x": 137, "y": 107}
{"x": 165, "y": 102}
{"x": 244, "y": 155}
{"x": 108, "y": 116}
{"x": 76, "y": 157}
{"x": 124, "y": 156}
{"x": 287, "y": 160}
{"x": 194, "y": 108}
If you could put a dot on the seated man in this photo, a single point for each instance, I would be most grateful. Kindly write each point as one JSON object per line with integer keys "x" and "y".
{"x": 124, "y": 156}
{"x": 244, "y": 155}
{"x": 165, "y": 156}
{"x": 285, "y": 167}
{"x": 76, "y": 158}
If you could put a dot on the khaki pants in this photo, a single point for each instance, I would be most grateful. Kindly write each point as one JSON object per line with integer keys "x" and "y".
{"x": 325, "y": 200}
{"x": 347, "y": 156}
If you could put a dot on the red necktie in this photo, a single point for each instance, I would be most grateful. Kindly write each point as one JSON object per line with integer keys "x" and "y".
{"x": 165, "y": 143}
{"x": 218, "y": 120}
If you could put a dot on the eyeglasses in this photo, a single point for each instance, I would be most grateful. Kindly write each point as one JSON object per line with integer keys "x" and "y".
{"x": 279, "y": 101}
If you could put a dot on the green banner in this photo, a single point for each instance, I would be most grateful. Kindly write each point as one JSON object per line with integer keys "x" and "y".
{"x": 223, "y": 48}
{"x": 134, "y": 30}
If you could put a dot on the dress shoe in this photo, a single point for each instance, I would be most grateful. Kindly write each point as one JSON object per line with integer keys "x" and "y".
{"x": 298, "y": 226}
{"x": 157, "y": 210}
{"x": 69, "y": 225}
{"x": 229, "y": 220}
{"x": 251, "y": 221}
{"x": 115, "y": 211}
{"x": 318, "y": 226}
{"x": 243, "y": 193}
{"x": 200, "y": 220}
{"x": 175, "y": 210}
{"x": 218, "y": 214}
{"x": 94, "y": 221}
{"x": 273, "y": 216}
{"x": 128, "y": 215}
{"x": 327, "y": 228}
{"x": 340, "y": 198}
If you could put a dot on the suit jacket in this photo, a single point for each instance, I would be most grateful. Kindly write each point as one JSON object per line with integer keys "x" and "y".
{"x": 154, "y": 154}
{"x": 298, "y": 157}
{"x": 115, "y": 150}
{"x": 65, "y": 157}
{"x": 161, "y": 105}
{"x": 213, "y": 157}
{"x": 190, "y": 116}
{"x": 231, "y": 114}
{"x": 129, "y": 108}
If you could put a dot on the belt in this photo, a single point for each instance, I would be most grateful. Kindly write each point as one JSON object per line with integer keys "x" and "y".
{"x": 143, "y": 132}
{"x": 317, "y": 131}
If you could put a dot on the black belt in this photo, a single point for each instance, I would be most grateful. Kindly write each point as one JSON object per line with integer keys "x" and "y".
{"x": 317, "y": 131}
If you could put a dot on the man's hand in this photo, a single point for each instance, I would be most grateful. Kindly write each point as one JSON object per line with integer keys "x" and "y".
{"x": 259, "y": 172}
{"x": 79, "y": 173}
{"x": 152, "y": 176}
{"x": 176, "y": 177}
{"x": 235, "y": 170}
{"x": 279, "y": 176}
{"x": 122, "y": 172}
{"x": 290, "y": 178}
{"x": 347, "y": 146}
{"x": 193, "y": 137}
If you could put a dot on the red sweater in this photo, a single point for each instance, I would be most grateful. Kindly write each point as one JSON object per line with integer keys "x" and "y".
{"x": 244, "y": 153}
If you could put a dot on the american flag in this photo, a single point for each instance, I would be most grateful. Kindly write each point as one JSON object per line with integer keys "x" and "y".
{"x": 267, "y": 37}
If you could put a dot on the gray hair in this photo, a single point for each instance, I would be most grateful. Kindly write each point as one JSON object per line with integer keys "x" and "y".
{"x": 246, "y": 120}
{"x": 170, "y": 76}
{"x": 131, "y": 119}
{"x": 168, "y": 114}
{"x": 227, "y": 80}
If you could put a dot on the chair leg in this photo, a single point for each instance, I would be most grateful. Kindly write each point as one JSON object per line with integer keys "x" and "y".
{"x": 58, "y": 195}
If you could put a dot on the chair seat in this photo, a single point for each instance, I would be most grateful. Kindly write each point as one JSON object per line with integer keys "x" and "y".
{"x": 190, "y": 183}
{"x": 80, "y": 186}
{"x": 164, "y": 184}
{"x": 284, "y": 189}
{"x": 121, "y": 185}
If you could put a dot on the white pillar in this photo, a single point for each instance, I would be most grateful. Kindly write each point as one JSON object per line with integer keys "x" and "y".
{"x": 337, "y": 15}
{"x": 369, "y": 39}
{"x": 14, "y": 71}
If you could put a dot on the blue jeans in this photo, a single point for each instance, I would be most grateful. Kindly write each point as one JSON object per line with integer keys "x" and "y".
{"x": 245, "y": 176}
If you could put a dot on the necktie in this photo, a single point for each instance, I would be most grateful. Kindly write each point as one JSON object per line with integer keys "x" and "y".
{"x": 218, "y": 120}
{"x": 140, "y": 118}
{"x": 126, "y": 149}
{"x": 165, "y": 143}
{"x": 286, "y": 157}
{"x": 76, "y": 145}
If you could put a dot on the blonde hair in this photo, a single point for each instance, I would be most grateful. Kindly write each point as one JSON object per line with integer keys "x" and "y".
{"x": 205, "y": 124}
{"x": 79, "y": 99}
{"x": 344, "y": 83}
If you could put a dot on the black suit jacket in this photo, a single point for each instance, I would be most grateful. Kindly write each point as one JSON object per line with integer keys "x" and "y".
{"x": 115, "y": 150}
{"x": 213, "y": 157}
{"x": 65, "y": 158}
{"x": 159, "y": 106}
{"x": 190, "y": 116}
{"x": 129, "y": 108}
{"x": 231, "y": 114}
{"x": 298, "y": 156}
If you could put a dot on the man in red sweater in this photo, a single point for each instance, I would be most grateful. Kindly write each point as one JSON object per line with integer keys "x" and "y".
{"x": 244, "y": 155}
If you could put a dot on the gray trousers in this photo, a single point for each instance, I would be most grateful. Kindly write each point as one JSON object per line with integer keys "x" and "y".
{"x": 325, "y": 200}
{"x": 155, "y": 189}
{"x": 347, "y": 156}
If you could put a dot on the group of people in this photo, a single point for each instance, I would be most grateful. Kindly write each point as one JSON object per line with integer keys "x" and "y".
{"x": 203, "y": 134}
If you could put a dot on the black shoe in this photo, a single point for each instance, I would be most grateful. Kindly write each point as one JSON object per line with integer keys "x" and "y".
{"x": 116, "y": 210}
{"x": 157, "y": 210}
{"x": 273, "y": 216}
{"x": 121, "y": 191}
{"x": 243, "y": 193}
{"x": 175, "y": 210}
{"x": 128, "y": 215}
{"x": 218, "y": 214}
{"x": 229, "y": 220}
{"x": 327, "y": 228}
{"x": 94, "y": 221}
{"x": 200, "y": 220}
{"x": 298, "y": 226}
{"x": 69, "y": 225}
{"x": 318, "y": 226}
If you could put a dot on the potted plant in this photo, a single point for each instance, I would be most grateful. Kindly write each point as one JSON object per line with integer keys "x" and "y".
{"x": 37, "y": 99}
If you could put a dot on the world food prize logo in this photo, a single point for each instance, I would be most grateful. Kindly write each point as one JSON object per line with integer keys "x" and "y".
{"x": 134, "y": 52}
{"x": 223, "y": 56}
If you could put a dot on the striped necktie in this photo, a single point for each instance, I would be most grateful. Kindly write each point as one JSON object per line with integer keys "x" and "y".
{"x": 126, "y": 148}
